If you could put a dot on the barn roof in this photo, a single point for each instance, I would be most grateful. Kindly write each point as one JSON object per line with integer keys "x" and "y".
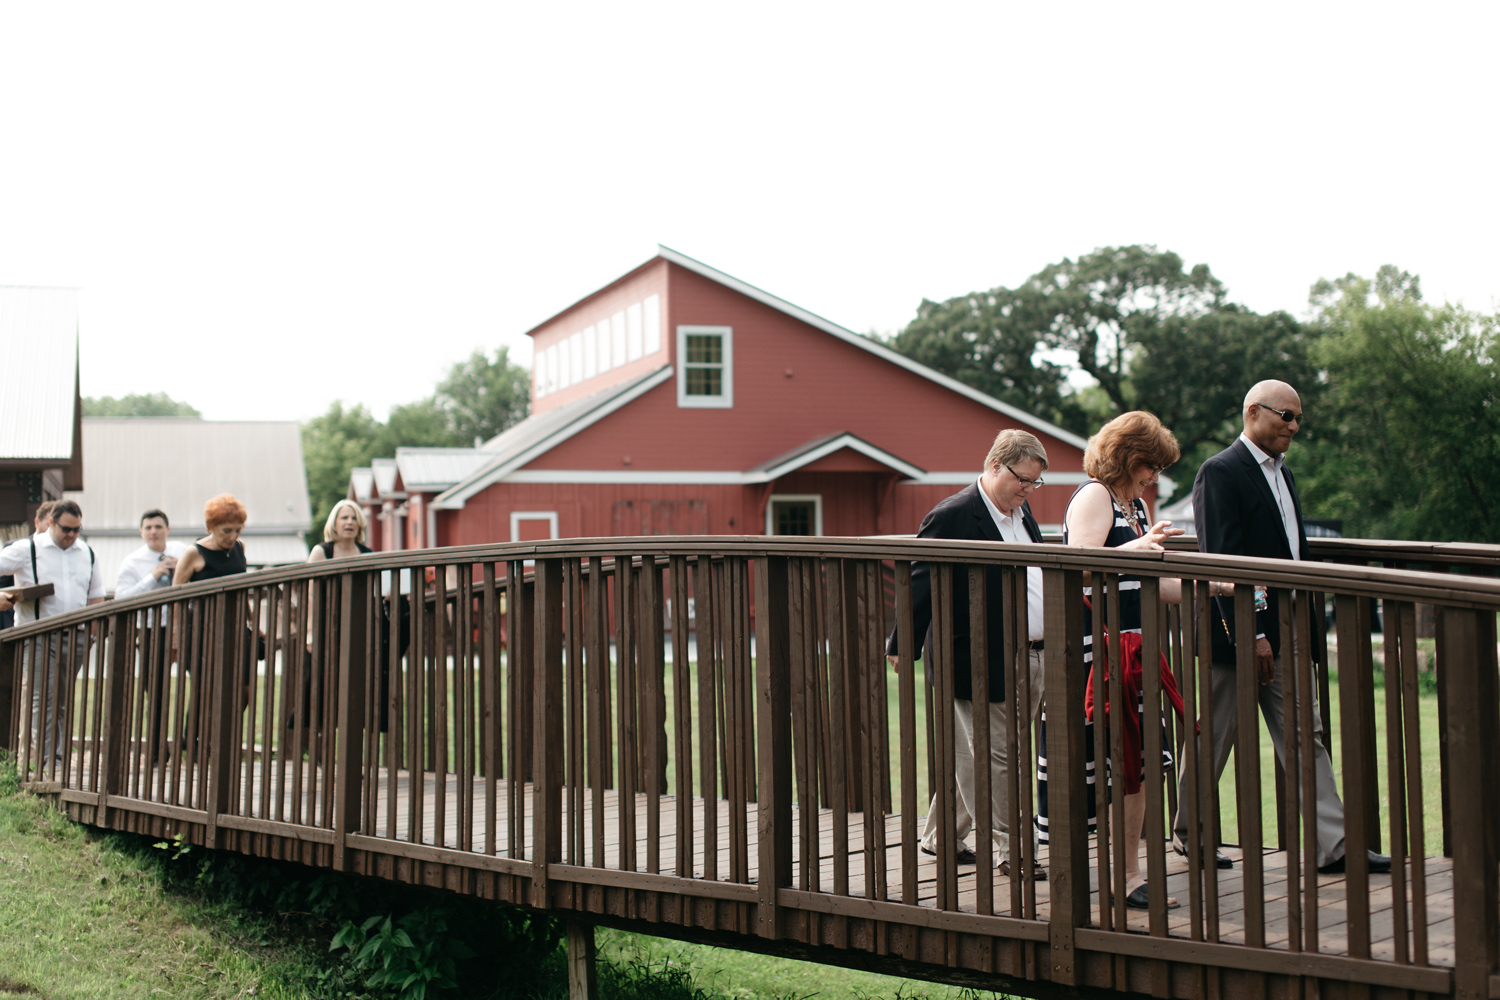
{"x": 822, "y": 447}
{"x": 426, "y": 469}
{"x": 177, "y": 463}
{"x": 542, "y": 432}
{"x": 39, "y": 376}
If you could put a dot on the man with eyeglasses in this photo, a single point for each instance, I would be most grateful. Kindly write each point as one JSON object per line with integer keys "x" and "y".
{"x": 1245, "y": 503}
{"x": 993, "y": 509}
{"x": 58, "y": 557}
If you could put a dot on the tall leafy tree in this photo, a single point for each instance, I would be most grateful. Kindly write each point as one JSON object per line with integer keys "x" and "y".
{"x": 991, "y": 341}
{"x": 484, "y": 396}
{"x": 1410, "y": 445}
{"x": 339, "y": 440}
{"x": 150, "y": 404}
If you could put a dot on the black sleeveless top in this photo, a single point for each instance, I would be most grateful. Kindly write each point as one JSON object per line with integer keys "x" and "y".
{"x": 1130, "y": 586}
{"x": 327, "y": 548}
{"x": 217, "y": 562}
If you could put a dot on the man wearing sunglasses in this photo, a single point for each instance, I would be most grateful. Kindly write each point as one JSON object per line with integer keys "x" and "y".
{"x": 58, "y": 557}
{"x": 1245, "y": 503}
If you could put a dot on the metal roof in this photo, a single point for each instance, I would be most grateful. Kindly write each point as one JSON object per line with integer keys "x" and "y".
{"x": 176, "y": 464}
{"x": 39, "y": 378}
{"x": 361, "y": 483}
{"x": 384, "y": 470}
{"x": 540, "y": 432}
{"x": 428, "y": 469}
{"x": 260, "y": 550}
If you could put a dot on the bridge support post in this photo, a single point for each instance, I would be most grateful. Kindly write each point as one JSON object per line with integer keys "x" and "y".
{"x": 228, "y": 609}
{"x": 773, "y": 658}
{"x": 354, "y": 649}
{"x": 583, "y": 977}
{"x": 116, "y": 724}
{"x": 1067, "y": 818}
{"x": 1469, "y": 659}
{"x": 547, "y": 731}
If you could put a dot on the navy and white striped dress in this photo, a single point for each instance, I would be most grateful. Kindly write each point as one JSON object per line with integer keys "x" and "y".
{"x": 1130, "y": 620}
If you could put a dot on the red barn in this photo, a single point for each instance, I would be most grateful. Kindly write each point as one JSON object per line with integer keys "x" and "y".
{"x": 680, "y": 400}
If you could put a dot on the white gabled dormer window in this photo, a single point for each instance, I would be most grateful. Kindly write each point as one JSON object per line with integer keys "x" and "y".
{"x": 705, "y": 366}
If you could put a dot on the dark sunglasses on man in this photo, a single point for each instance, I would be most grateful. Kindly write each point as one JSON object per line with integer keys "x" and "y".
{"x": 1287, "y": 416}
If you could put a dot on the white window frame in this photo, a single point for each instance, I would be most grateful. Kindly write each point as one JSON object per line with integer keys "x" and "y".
{"x": 816, "y": 499}
{"x": 724, "y": 401}
{"x": 517, "y": 516}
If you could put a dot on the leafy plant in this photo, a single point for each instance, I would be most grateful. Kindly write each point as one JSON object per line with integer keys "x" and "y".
{"x": 403, "y": 957}
{"x": 177, "y": 848}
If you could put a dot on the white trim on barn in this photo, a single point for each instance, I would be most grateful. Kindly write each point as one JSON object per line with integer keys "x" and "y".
{"x": 517, "y": 516}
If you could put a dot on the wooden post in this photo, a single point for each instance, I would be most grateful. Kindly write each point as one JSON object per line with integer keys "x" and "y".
{"x": 1067, "y": 823}
{"x": 772, "y": 686}
{"x": 1470, "y": 640}
{"x": 547, "y": 728}
{"x": 583, "y": 978}
{"x": 116, "y": 715}
{"x": 354, "y": 620}
{"x": 225, "y": 620}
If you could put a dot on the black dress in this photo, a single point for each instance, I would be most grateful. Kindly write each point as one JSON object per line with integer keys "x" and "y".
{"x": 220, "y": 562}
{"x": 1130, "y": 621}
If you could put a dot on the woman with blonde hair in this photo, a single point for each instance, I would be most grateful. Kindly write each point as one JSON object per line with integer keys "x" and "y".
{"x": 343, "y": 533}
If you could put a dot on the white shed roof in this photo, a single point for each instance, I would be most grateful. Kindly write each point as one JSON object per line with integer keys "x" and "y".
{"x": 176, "y": 464}
{"x": 437, "y": 468}
{"x": 39, "y": 376}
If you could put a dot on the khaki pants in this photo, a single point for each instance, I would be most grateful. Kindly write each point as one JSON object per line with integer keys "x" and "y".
{"x": 963, "y": 746}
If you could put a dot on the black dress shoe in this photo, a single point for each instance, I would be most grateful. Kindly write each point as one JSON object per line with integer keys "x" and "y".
{"x": 963, "y": 857}
{"x": 1379, "y": 864}
{"x": 1221, "y": 859}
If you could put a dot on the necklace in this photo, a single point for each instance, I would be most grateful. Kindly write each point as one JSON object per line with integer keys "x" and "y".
{"x": 1132, "y": 518}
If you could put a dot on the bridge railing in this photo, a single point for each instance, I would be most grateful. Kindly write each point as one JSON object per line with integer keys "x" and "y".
{"x": 703, "y": 732}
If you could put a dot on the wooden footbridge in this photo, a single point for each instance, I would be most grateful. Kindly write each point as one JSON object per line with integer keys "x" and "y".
{"x": 699, "y": 738}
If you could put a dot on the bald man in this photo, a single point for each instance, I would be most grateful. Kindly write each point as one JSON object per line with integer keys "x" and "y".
{"x": 1245, "y": 504}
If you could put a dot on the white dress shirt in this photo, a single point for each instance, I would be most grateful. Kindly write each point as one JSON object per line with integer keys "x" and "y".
{"x": 1271, "y": 467}
{"x": 1013, "y": 530}
{"x": 140, "y": 572}
{"x": 74, "y": 573}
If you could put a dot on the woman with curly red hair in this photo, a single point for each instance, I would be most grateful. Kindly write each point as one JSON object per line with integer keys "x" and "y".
{"x": 1123, "y": 461}
{"x": 220, "y": 552}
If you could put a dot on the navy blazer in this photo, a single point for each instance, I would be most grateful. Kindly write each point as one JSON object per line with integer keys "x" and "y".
{"x": 1236, "y": 515}
{"x": 964, "y": 517}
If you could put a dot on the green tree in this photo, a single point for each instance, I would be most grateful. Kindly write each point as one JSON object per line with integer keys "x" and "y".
{"x": 151, "y": 404}
{"x": 1409, "y": 427}
{"x": 332, "y": 444}
{"x": 991, "y": 341}
{"x": 423, "y": 424}
{"x": 1101, "y": 308}
{"x": 482, "y": 397}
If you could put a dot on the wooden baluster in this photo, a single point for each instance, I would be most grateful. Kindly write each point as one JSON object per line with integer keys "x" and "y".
{"x": 1410, "y": 667}
{"x": 1151, "y": 774}
{"x": 1309, "y": 621}
{"x": 114, "y": 746}
{"x": 907, "y": 706}
{"x": 1293, "y": 636}
{"x": 1114, "y": 773}
{"x": 577, "y": 764}
{"x": 1354, "y": 687}
{"x": 354, "y": 636}
{"x": 984, "y": 790}
{"x": 838, "y": 681}
{"x": 682, "y": 718}
{"x": 1395, "y": 774}
{"x": 878, "y": 804}
{"x": 464, "y": 729}
{"x": 547, "y": 729}
{"x": 774, "y": 791}
{"x": 1247, "y": 766}
{"x": 625, "y": 597}
{"x": 653, "y": 698}
{"x": 599, "y": 747}
{"x": 1067, "y": 822}
{"x": 946, "y": 789}
{"x": 708, "y": 710}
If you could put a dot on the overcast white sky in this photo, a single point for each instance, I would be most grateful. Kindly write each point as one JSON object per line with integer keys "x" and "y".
{"x": 268, "y": 207}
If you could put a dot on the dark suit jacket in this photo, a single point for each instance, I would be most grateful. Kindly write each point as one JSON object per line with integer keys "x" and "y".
{"x": 1236, "y": 515}
{"x": 964, "y": 516}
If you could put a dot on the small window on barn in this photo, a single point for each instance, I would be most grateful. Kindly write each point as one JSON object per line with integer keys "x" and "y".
{"x": 794, "y": 514}
{"x": 705, "y": 366}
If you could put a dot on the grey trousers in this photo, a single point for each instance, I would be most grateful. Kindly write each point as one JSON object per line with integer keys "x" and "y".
{"x": 49, "y": 690}
{"x": 963, "y": 754}
{"x": 1226, "y": 725}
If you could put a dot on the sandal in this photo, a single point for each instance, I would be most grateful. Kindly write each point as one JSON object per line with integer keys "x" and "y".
{"x": 1140, "y": 899}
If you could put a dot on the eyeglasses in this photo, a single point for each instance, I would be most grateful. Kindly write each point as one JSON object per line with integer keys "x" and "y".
{"x": 1036, "y": 483}
{"x": 1287, "y": 416}
{"x": 67, "y": 530}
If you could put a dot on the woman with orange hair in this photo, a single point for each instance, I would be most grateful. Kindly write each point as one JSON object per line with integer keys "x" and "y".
{"x": 220, "y": 552}
{"x": 1123, "y": 461}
